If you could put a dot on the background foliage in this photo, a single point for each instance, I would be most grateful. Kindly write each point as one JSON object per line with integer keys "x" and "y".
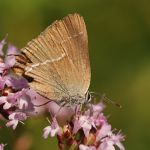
{"x": 119, "y": 44}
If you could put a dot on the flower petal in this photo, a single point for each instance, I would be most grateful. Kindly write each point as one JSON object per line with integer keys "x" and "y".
{"x": 2, "y": 43}
{"x": 47, "y": 131}
{"x": 2, "y": 146}
{"x": 85, "y": 147}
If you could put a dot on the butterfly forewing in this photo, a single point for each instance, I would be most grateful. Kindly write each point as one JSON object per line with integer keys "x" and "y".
{"x": 57, "y": 60}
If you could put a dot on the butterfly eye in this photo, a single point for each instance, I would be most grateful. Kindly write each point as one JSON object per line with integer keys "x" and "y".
{"x": 88, "y": 97}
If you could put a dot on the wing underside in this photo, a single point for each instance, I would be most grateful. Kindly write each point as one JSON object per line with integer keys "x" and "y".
{"x": 57, "y": 60}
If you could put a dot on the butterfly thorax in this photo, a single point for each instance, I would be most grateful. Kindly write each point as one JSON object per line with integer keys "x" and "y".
{"x": 75, "y": 100}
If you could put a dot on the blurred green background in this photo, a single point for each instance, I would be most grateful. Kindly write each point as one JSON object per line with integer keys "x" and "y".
{"x": 119, "y": 44}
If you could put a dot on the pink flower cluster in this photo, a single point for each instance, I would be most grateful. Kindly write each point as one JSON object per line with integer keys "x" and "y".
{"x": 87, "y": 130}
{"x": 15, "y": 96}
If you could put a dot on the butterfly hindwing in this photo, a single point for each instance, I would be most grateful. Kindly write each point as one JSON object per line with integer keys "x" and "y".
{"x": 57, "y": 60}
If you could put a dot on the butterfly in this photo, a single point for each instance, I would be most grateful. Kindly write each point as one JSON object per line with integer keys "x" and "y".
{"x": 56, "y": 63}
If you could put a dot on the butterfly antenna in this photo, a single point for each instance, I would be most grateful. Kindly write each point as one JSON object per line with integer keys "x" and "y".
{"x": 104, "y": 98}
{"x": 112, "y": 102}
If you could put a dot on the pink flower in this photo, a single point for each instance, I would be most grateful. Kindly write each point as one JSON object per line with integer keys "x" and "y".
{"x": 109, "y": 142}
{"x": 19, "y": 99}
{"x": 6, "y": 104}
{"x": 15, "y": 118}
{"x": 84, "y": 147}
{"x": 52, "y": 130}
{"x": 15, "y": 99}
{"x": 12, "y": 50}
{"x": 83, "y": 122}
{"x": 104, "y": 131}
{"x": 16, "y": 83}
{"x": 10, "y": 55}
{"x": 2, "y": 83}
{"x": 2, "y": 43}
{"x": 4, "y": 80}
{"x": 97, "y": 109}
{"x": 87, "y": 130}
{"x": 9, "y": 59}
{"x": 2, "y": 146}
{"x": 24, "y": 100}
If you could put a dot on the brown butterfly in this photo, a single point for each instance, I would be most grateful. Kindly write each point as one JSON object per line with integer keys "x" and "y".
{"x": 57, "y": 62}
